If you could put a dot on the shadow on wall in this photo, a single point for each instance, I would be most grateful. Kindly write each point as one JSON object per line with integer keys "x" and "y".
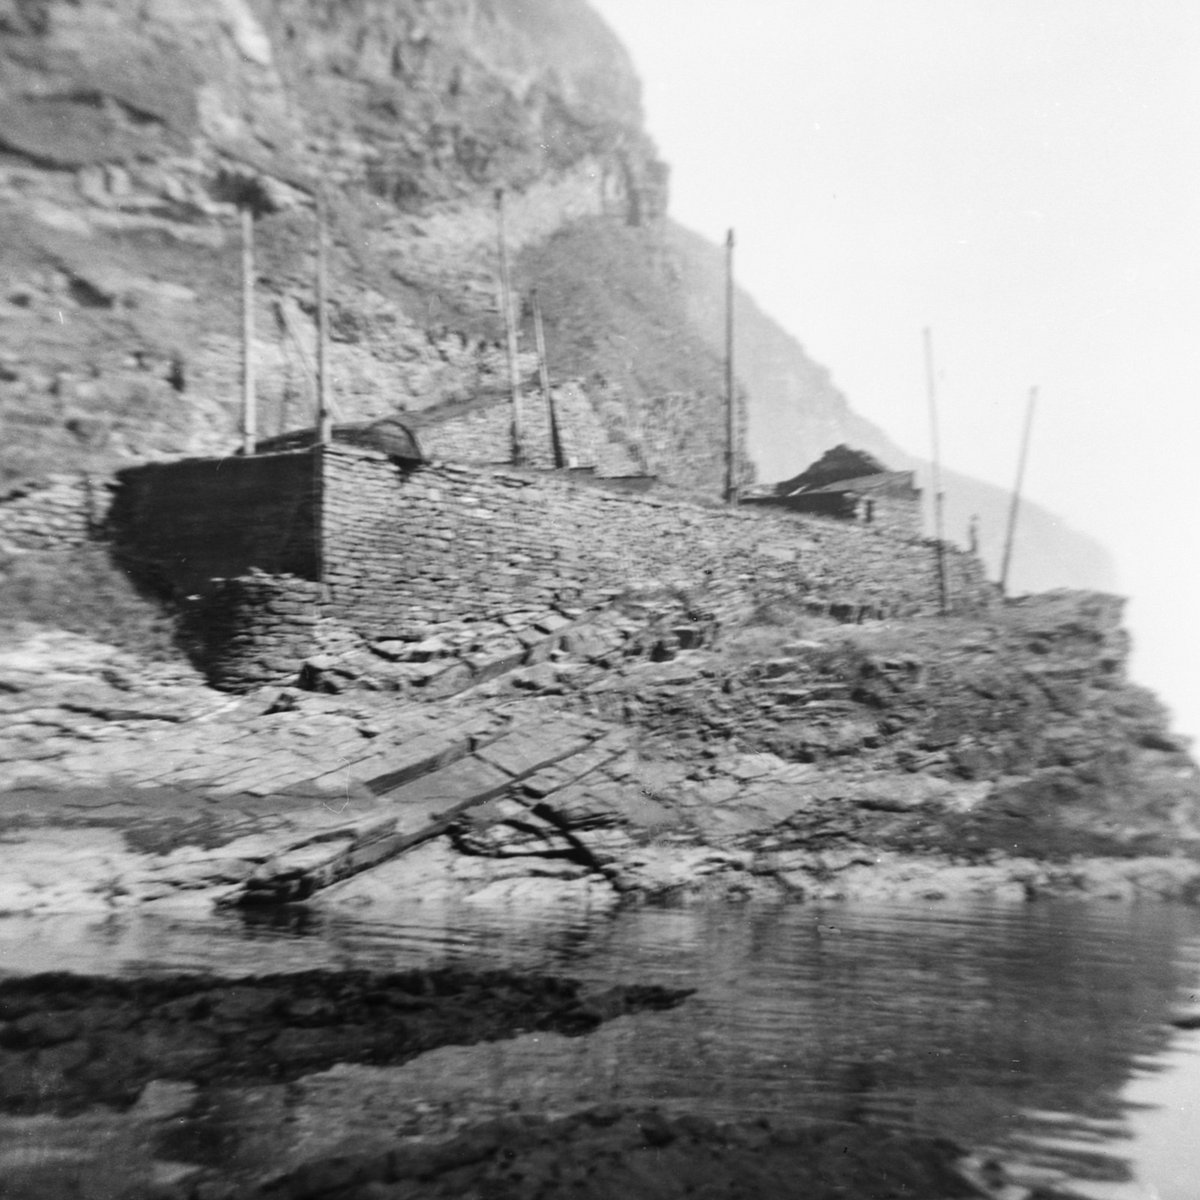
{"x": 177, "y": 527}
{"x": 336, "y": 549}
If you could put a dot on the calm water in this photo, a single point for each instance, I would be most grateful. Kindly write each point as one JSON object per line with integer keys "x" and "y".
{"x": 1040, "y": 1031}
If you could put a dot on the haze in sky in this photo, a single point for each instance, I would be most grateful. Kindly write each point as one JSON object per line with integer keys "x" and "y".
{"x": 1023, "y": 177}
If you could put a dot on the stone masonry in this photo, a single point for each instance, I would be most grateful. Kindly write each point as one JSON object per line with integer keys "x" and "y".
{"x": 480, "y": 433}
{"x": 440, "y": 542}
{"x": 342, "y": 551}
{"x": 56, "y": 513}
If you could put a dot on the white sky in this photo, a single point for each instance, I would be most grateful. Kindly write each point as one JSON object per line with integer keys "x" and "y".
{"x": 1023, "y": 176}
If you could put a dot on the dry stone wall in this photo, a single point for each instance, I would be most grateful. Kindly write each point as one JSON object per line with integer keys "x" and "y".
{"x": 58, "y": 513}
{"x": 412, "y": 548}
{"x": 332, "y": 553}
{"x": 179, "y": 526}
{"x": 482, "y": 433}
{"x": 682, "y": 438}
{"x": 895, "y": 515}
{"x": 253, "y": 629}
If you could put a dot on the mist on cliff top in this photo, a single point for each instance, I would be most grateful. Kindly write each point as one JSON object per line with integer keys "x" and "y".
{"x": 1022, "y": 178}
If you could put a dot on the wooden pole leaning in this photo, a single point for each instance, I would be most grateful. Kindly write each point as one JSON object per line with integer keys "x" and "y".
{"x": 938, "y": 497}
{"x": 324, "y": 419}
{"x": 1015, "y": 503}
{"x": 510, "y": 331}
{"x": 731, "y": 454}
{"x": 544, "y": 378}
{"x": 249, "y": 391}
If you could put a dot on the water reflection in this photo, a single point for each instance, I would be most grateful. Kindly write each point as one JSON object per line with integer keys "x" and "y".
{"x": 1036, "y": 1030}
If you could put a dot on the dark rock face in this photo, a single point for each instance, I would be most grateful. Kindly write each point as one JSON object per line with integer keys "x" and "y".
{"x": 419, "y": 101}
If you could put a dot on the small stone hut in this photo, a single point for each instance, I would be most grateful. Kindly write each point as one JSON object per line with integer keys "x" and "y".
{"x": 851, "y": 485}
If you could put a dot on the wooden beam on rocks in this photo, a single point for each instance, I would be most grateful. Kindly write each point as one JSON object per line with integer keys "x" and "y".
{"x": 249, "y": 393}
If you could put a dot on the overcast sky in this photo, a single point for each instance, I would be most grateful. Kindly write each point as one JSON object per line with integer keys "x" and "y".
{"x": 1023, "y": 176}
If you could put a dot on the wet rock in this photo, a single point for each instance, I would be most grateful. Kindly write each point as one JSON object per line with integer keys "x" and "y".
{"x": 68, "y": 1042}
{"x": 640, "y": 1155}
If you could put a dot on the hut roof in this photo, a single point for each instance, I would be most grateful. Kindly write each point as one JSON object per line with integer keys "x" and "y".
{"x": 388, "y": 434}
{"x": 892, "y": 482}
{"x": 840, "y": 463}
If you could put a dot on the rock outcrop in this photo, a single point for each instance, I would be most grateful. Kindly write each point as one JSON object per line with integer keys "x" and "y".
{"x": 127, "y": 142}
{"x": 1000, "y": 753}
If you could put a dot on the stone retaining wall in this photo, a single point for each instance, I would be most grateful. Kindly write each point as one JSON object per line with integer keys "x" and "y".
{"x": 58, "y": 513}
{"x": 179, "y": 526}
{"x": 253, "y": 630}
{"x": 341, "y": 551}
{"x": 482, "y": 433}
{"x": 438, "y": 543}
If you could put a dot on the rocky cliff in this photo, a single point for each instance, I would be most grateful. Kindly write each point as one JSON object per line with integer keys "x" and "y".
{"x": 126, "y": 137}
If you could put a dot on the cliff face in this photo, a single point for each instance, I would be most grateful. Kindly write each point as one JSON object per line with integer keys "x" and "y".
{"x": 123, "y": 137}
{"x": 125, "y": 134}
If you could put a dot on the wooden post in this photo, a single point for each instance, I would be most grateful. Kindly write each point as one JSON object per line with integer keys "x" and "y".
{"x": 544, "y": 378}
{"x": 731, "y": 455}
{"x": 510, "y": 330}
{"x": 939, "y": 524}
{"x": 324, "y": 421}
{"x": 249, "y": 394}
{"x": 1016, "y": 496}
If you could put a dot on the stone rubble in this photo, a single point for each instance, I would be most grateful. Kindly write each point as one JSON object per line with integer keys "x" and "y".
{"x": 660, "y": 771}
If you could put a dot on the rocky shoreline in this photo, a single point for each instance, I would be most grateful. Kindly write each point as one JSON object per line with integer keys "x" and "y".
{"x": 609, "y": 1152}
{"x": 145, "y": 1057}
{"x": 1003, "y": 754}
{"x": 789, "y": 760}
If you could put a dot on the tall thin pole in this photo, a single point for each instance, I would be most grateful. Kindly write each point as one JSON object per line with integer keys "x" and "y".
{"x": 249, "y": 394}
{"x": 324, "y": 421}
{"x": 1015, "y": 505}
{"x": 544, "y": 379}
{"x": 938, "y": 498}
{"x": 731, "y": 482}
{"x": 510, "y": 330}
